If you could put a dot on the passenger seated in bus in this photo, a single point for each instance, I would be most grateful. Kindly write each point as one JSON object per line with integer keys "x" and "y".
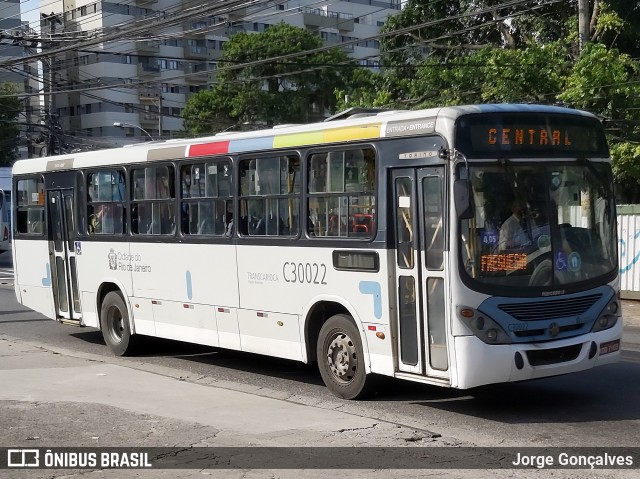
{"x": 94, "y": 222}
{"x": 93, "y": 212}
{"x": 259, "y": 227}
{"x": 206, "y": 227}
{"x": 229, "y": 229}
{"x": 243, "y": 225}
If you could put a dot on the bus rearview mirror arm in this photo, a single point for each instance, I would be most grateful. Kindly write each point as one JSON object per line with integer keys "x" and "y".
{"x": 462, "y": 199}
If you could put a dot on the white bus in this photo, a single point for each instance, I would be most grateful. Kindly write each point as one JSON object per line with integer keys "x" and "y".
{"x": 5, "y": 209}
{"x": 371, "y": 244}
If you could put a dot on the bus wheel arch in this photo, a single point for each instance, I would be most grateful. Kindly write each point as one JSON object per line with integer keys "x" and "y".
{"x": 316, "y": 316}
{"x": 115, "y": 320}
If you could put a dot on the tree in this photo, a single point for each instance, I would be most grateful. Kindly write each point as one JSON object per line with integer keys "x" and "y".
{"x": 10, "y": 108}
{"x": 606, "y": 82}
{"x": 250, "y": 89}
{"x": 475, "y": 51}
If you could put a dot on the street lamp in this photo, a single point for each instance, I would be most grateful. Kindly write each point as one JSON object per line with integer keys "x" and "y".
{"x": 122, "y": 124}
{"x": 235, "y": 125}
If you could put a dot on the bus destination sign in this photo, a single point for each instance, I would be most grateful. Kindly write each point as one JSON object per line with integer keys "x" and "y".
{"x": 491, "y": 135}
{"x": 528, "y": 136}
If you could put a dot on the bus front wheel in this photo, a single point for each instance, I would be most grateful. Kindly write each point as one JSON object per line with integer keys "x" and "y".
{"x": 114, "y": 323}
{"x": 341, "y": 359}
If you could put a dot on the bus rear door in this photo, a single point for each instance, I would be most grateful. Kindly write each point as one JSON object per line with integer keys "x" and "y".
{"x": 63, "y": 254}
{"x": 420, "y": 233}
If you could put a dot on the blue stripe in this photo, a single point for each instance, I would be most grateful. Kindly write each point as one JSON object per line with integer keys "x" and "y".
{"x": 264, "y": 143}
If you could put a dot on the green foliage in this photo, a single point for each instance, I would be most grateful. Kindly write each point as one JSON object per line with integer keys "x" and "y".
{"x": 286, "y": 90}
{"x": 10, "y": 108}
{"x": 607, "y": 83}
{"x": 464, "y": 51}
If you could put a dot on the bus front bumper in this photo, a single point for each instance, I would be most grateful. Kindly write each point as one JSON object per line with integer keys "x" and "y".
{"x": 480, "y": 363}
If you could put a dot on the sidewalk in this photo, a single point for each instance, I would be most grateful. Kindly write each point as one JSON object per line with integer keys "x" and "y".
{"x": 631, "y": 312}
{"x": 59, "y": 398}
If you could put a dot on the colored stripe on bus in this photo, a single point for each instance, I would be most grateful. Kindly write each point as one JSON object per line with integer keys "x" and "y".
{"x": 205, "y": 149}
{"x": 297, "y": 139}
{"x": 352, "y": 133}
{"x": 288, "y": 140}
{"x": 251, "y": 144}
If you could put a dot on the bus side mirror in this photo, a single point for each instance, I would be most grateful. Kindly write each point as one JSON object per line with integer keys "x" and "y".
{"x": 462, "y": 199}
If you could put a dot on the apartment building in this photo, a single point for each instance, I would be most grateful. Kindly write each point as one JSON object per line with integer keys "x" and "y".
{"x": 22, "y": 77}
{"x": 150, "y": 72}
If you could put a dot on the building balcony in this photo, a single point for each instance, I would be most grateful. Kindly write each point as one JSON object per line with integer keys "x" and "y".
{"x": 196, "y": 53}
{"x": 75, "y": 122}
{"x": 317, "y": 18}
{"x": 195, "y": 76}
{"x": 147, "y": 70}
{"x": 149, "y": 119}
{"x": 148, "y": 46}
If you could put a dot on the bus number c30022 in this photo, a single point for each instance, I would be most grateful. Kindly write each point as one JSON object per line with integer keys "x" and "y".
{"x": 310, "y": 273}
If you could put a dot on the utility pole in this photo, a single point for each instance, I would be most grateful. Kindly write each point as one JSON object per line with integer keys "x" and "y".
{"x": 583, "y": 23}
{"x": 48, "y": 62}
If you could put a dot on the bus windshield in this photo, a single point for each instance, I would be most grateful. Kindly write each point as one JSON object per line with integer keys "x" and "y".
{"x": 539, "y": 226}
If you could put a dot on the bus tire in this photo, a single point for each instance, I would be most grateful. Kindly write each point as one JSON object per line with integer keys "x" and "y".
{"x": 114, "y": 324}
{"x": 341, "y": 358}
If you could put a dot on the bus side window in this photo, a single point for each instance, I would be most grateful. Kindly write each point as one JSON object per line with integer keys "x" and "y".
{"x": 105, "y": 202}
{"x": 270, "y": 196}
{"x": 341, "y": 189}
{"x": 30, "y": 206}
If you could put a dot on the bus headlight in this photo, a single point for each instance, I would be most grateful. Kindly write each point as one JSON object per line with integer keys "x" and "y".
{"x": 608, "y": 317}
{"x": 485, "y": 328}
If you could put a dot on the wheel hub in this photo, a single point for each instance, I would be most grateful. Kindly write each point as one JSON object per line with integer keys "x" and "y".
{"x": 342, "y": 357}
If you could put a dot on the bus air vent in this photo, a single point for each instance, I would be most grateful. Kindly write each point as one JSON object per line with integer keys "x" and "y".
{"x": 554, "y": 309}
{"x": 543, "y": 357}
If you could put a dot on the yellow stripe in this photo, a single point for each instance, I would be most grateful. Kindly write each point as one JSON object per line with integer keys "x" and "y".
{"x": 328, "y": 136}
{"x": 297, "y": 139}
{"x": 352, "y": 133}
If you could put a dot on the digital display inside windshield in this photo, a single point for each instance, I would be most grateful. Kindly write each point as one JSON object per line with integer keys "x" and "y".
{"x": 498, "y": 135}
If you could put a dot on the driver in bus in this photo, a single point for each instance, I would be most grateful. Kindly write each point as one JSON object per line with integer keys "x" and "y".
{"x": 513, "y": 232}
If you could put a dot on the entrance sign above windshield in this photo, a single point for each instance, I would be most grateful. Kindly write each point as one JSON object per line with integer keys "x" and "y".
{"x": 500, "y": 135}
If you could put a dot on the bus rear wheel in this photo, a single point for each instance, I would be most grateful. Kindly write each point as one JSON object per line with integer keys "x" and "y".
{"x": 341, "y": 359}
{"x": 114, "y": 323}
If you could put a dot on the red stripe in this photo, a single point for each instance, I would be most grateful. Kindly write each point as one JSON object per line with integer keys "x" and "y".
{"x": 205, "y": 149}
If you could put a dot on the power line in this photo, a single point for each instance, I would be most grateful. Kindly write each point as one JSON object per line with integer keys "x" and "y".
{"x": 225, "y": 6}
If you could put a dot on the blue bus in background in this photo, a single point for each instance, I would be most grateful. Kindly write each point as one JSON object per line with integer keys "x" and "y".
{"x": 5, "y": 209}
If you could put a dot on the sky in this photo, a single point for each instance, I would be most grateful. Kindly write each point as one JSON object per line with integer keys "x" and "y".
{"x": 31, "y": 12}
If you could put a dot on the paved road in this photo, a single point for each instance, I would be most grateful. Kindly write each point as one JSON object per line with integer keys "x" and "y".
{"x": 593, "y": 408}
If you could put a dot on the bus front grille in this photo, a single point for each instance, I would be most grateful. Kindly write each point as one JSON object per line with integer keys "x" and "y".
{"x": 554, "y": 309}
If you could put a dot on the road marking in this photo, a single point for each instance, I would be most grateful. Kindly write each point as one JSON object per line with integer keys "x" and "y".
{"x": 6, "y": 276}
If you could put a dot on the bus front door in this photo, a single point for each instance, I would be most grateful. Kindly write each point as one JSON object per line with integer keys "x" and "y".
{"x": 420, "y": 233}
{"x": 63, "y": 254}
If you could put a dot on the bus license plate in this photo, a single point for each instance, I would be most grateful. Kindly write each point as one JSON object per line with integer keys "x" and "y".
{"x": 610, "y": 347}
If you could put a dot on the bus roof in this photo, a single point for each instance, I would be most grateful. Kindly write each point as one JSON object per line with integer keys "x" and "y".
{"x": 361, "y": 127}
